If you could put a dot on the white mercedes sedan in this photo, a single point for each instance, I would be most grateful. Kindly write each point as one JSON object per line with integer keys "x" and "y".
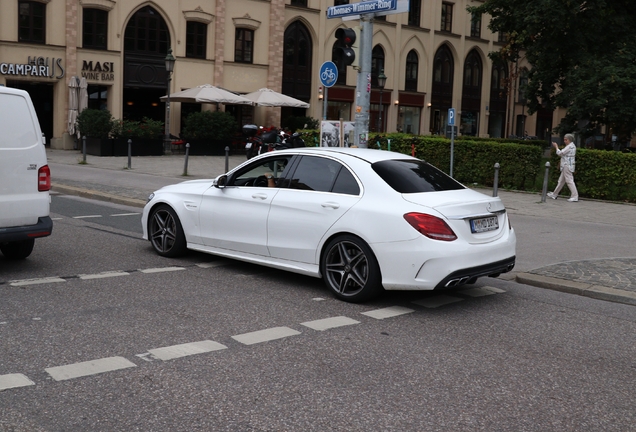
{"x": 364, "y": 220}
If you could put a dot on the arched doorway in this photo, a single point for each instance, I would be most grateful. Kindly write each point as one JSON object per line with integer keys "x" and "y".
{"x": 442, "y": 91}
{"x": 297, "y": 55}
{"x": 471, "y": 94}
{"x": 498, "y": 100}
{"x": 146, "y": 43}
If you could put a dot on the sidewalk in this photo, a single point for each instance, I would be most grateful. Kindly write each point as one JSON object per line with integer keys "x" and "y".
{"x": 602, "y": 275}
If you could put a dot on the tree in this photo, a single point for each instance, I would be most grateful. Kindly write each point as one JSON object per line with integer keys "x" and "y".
{"x": 582, "y": 55}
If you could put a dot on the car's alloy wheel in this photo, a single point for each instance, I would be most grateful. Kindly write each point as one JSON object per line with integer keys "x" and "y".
{"x": 17, "y": 250}
{"x": 165, "y": 232}
{"x": 350, "y": 269}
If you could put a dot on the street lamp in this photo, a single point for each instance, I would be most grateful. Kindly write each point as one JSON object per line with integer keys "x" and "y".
{"x": 167, "y": 148}
{"x": 381, "y": 83}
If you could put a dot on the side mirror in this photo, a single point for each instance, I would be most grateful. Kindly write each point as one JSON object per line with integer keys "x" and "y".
{"x": 220, "y": 182}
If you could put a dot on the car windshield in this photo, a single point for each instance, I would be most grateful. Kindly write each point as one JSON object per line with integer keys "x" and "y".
{"x": 414, "y": 176}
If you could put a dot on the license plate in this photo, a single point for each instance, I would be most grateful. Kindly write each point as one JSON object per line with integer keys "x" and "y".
{"x": 484, "y": 224}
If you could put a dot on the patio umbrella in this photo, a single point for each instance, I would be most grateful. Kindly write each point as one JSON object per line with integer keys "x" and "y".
{"x": 83, "y": 96}
{"x": 73, "y": 89}
{"x": 207, "y": 93}
{"x": 270, "y": 98}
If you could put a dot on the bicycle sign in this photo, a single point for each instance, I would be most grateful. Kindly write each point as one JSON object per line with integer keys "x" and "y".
{"x": 328, "y": 74}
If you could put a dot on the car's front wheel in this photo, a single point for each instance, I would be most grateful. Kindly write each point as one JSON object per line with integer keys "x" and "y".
{"x": 350, "y": 269}
{"x": 18, "y": 249}
{"x": 165, "y": 232}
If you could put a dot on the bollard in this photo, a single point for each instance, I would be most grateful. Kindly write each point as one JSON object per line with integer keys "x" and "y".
{"x": 185, "y": 164}
{"x": 544, "y": 192}
{"x": 389, "y": 146}
{"x": 84, "y": 148}
{"x": 129, "y": 151}
{"x": 495, "y": 185}
{"x": 227, "y": 158}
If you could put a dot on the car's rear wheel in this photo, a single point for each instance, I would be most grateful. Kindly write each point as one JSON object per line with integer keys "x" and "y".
{"x": 17, "y": 250}
{"x": 165, "y": 232}
{"x": 350, "y": 269}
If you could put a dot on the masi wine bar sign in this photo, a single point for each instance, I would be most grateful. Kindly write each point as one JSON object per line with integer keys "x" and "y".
{"x": 98, "y": 71}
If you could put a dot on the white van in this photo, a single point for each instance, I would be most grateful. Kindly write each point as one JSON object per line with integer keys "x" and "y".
{"x": 25, "y": 178}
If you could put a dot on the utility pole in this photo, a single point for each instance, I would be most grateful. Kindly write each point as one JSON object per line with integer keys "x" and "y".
{"x": 363, "y": 87}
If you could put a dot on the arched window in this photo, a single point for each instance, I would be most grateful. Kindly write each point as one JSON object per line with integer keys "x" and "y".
{"x": 147, "y": 33}
{"x": 297, "y": 61}
{"x": 442, "y": 91}
{"x": 412, "y": 64}
{"x": 471, "y": 95}
{"x": 377, "y": 64}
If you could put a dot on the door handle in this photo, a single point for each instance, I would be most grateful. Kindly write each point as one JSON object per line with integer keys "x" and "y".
{"x": 262, "y": 196}
{"x": 330, "y": 204}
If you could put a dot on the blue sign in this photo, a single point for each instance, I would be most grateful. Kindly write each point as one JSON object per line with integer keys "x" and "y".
{"x": 328, "y": 74}
{"x": 364, "y": 7}
{"x": 451, "y": 116}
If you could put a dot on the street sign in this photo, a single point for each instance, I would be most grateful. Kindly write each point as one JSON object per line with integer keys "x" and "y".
{"x": 328, "y": 74}
{"x": 365, "y": 7}
{"x": 451, "y": 116}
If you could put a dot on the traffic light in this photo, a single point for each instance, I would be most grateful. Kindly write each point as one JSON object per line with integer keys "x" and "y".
{"x": 347, "y": 51}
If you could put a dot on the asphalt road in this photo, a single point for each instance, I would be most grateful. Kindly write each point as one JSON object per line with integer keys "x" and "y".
{"x": 200, "y": 343}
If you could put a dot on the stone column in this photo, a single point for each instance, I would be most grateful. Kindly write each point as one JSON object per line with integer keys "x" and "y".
{"x": 275, "y": 57}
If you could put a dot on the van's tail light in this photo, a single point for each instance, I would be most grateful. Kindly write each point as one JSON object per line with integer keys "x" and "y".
{"x": 431, "y": 226}
{"x": 44, "y": 178}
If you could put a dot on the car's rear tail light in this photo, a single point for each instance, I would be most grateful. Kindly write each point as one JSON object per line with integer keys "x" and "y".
{"x": 431, "y": 226}
{"x": 44, "y": 178}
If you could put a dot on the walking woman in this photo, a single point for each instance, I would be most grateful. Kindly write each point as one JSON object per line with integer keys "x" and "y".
{"x": 568, "y": 164}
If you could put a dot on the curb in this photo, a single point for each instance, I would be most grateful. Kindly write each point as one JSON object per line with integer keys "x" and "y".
{"x": 578, "y": 288}
{"x": 97, "y": 195}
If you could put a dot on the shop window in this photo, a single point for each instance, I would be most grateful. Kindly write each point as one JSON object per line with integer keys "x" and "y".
{"x": 196, "y": 38}
{"x": 475, "y": 25}
{"x": 409, "y": 119}
{"x": 244, "y": 46}
{"x": 302, "y": 3}
{"x": 337, "y": 110}
{"x": 377, "y": 64}
{"x": 415, "y": 6}
{"x": 32, "y": 22}
{"x": 412, "y": 62}
{"x": 94, "y": 28}
{"x": 447, "y": 17}
{"x": 97, "y": 97}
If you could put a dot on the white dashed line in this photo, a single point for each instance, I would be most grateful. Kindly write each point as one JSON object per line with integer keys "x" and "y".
{"x": 213, "y": 264}
{"x": 483, "y": 291}
{"x": 161, "y": 269}
{"x": 329, "y": 323}
{"x": 435, "y": 302}
{"x": 265, "y": 335}
{"x": 125, "y": 214}
{"x": 187, "y": 349}
{"x": 388, "y": 312}
{"x": 25, "y": 282}
{"x": 87, "y": 216}
{"x": 103, "y": 275}
{"x": 10, "y": 381}
{"x": 93, "y": 367}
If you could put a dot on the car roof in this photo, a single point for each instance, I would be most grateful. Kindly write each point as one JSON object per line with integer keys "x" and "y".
{"x": 367, "y": 154}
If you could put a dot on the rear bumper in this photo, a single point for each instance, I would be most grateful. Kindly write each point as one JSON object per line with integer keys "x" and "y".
{"x": 463, "y": 276}
{"x": 43, "y": 228}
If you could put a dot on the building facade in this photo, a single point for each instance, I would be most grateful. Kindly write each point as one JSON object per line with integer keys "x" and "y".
{"x": 435, "y": 57}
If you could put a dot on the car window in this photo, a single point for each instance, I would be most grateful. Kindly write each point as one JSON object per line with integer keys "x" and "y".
{"x": 256, "y": 173}
{"x": 323, "y": 175}
{"x": 414, "y": 176}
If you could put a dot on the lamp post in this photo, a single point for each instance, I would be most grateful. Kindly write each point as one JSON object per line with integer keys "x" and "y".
{"x": 381, "y": 83}
{"x": 167, "y": 148}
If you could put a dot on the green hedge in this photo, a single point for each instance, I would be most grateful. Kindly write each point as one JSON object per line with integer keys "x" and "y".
{"x": 600, "y": 174}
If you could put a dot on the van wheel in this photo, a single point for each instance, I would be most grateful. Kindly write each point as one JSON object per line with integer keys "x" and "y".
{"x": 350, "y": 269}
{"x": 17, "y": 250}
{"x": 165, "y": 232}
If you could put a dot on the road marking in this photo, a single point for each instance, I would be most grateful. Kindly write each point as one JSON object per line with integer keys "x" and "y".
{"x": 482, "y": 291}
{"x": 161, "y": 269}
{"x": 437, "y": 301}
{"x": 25, "y": 282}
{"x": 388, "y": 312}
{"x": 10, "y": 381}
{"x": 214, "y": 264}
{"x": 187, "y": 349}
{"x": 93, "y": 367}
{"x": 329, "y": 323}
{"x": 87, "y": 216}
{"x": 125, "y": 214}
{"x": 56, "y": 219}
{"x": 102, "y": 275}
{"x": 265, "y": 335}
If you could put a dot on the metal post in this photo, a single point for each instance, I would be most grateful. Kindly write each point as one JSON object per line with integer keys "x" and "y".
{"x": 495, "y": 186}
{"x": 324, "y": 103}
{"x": 167, "y": 149}
{"x": 363, "y": 87}
{"x": 129, "y": 151}
{"x": 544, "y": 192}
{"x": 227, "y": 158}
{"x": 380, "y": 112}
{"x": 452, "y": 152}
{"x": 185, "y": 164}
{"x": 84, "y": 148}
